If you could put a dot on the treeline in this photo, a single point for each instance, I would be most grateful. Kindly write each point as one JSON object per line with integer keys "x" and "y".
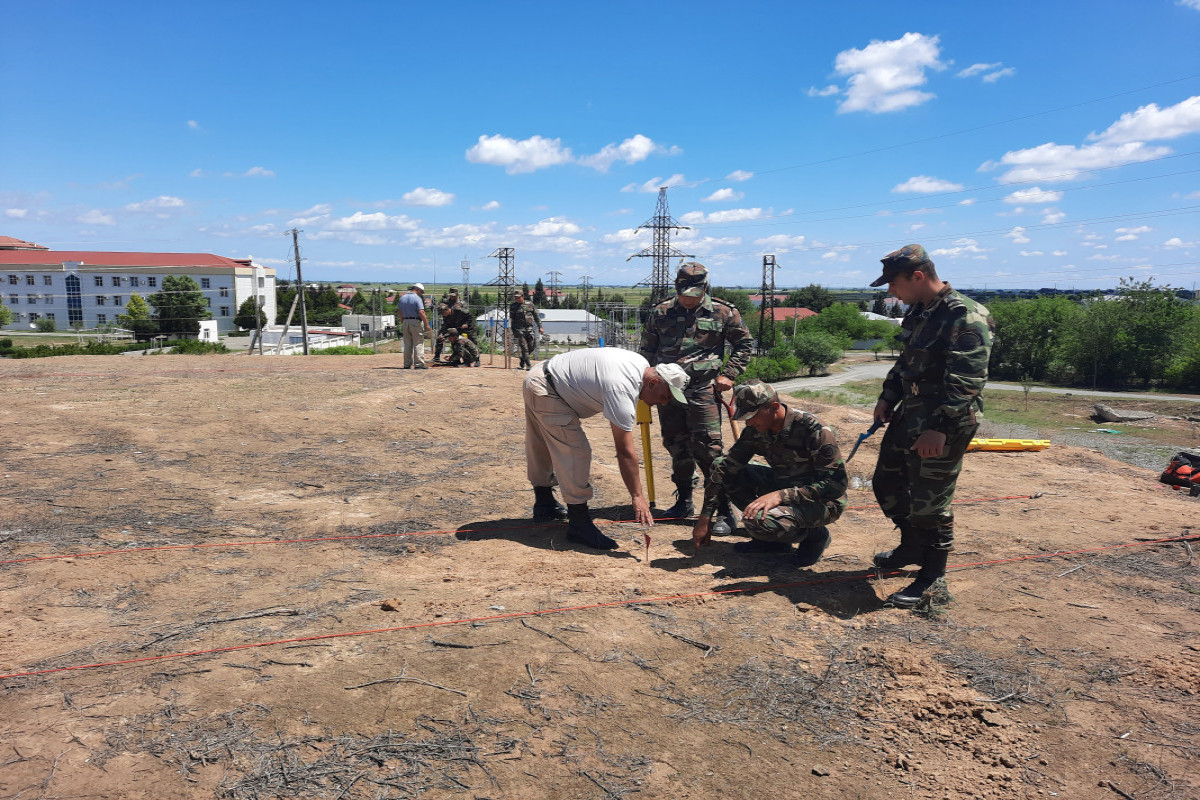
{"x": 811, "y": 344}
{"x": 1141, "y": 337}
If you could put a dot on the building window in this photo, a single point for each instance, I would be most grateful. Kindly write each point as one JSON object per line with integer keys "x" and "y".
{"x": 224, "y": 291}
{"x": 29, "y": 279}
{"x": 31, "y": 299}
{"x": 98, "y": 280}
{"x": 13, "y": 299}
{"x": 34, "y": 317}
{"x": 116, "y": 281}
{"x": 262, "y": 282}
{"x": 48, "y": 299}
{"x": 50, "y": 315}
{"x": 74, "y": 300}
{"x": 117, "y": 301}
{"x": 224, "y": 311}
{"x": 205, "y": 283}
{"x": 208, "y": 302}
{"x": 135, "y": 281}
{"x": 13, "y": 279}
{"x": 47, "y": 280}
{"x": 102, "y": 319}
{"x": 101, "y": 300}
{"x": 152, "y": 282}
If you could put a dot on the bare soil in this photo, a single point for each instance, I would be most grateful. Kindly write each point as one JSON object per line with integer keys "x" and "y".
{"x": 684, "y": 677}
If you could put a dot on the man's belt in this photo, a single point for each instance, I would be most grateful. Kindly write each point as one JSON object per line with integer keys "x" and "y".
{"x": 549, "y": 379}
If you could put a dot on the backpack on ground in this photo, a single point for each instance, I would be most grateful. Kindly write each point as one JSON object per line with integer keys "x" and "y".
{"x": 1183, "y": 473}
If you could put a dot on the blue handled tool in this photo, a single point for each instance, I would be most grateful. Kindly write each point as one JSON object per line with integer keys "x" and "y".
{"x": 876, "y": 426}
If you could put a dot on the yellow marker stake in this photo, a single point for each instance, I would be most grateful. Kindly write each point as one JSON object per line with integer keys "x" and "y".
{"x": 644, "y": 419}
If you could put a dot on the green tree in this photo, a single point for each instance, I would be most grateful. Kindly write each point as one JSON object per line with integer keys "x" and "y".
{"x": 539, "y": 293}
{"x": 137, "y": 319}
{"x": 5, "y": 314}
{"x": 361, "y": 303}
{"x": 812, "y": 297}
{"x": 1184, "y": 370}
{"x": 179, "y": 306}
{"x": 249, "y": 315}
{"x": 738, "y": 298}
{"x": 46, "y": 325}
{"x": 879, "y": 307}
{"x": 1028, "y": 335}
{"x": 816, "y": 349}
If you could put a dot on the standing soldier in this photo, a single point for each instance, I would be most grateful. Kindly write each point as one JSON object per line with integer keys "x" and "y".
{"x": 454, "y": 316}
{"x": 523, "y": 318}
{"x": 692, "y": 330}
{"x": 929, "y": 400}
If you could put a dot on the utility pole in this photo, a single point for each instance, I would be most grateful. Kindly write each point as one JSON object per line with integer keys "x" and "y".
{"x": 466, "y": 269}
{"x": 503, "y": 282}
{"x": 585, "y": 281}
{"x": 554, "y": 276}
{"x": 766, "y": 330}
{"x": 300, "y": 286}
{"x": 662, "y": 223}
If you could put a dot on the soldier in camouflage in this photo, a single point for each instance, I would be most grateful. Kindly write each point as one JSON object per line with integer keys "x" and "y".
{"x": 929, "y": 400}
{"x": 463, "y": 352}
{"x": 793, "y": 499}
{"x": 453, "y": 316}
{"x": 523, "y": 317}
{"x": 693, "y": 330}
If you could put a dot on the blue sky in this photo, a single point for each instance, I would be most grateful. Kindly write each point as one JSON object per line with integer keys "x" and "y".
{"x": 1025, "y": 144}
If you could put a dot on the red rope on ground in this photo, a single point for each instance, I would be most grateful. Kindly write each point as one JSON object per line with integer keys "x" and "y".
{"x": 588, "y": 607}
{"x": 376, "y": 536}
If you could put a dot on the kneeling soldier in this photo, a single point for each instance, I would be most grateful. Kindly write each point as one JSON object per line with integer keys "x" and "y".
{"x": 463, "y": 352}
{"x": 793, "y": 499}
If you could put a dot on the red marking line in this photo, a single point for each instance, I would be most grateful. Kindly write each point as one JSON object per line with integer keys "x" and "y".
{"x": 589, "y": 607}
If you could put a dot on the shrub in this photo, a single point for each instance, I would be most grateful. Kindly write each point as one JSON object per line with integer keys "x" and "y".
{"x": 46, "y": 325}
{"x": 195, "y": 347}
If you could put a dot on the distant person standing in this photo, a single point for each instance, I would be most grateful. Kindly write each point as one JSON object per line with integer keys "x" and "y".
{"x": 523, "y": 319}
{"x": 693, "y": 330}
{"x": 929, "y": 400}
{"x": 414, "y": 323}
{"x": 453, "y": 317}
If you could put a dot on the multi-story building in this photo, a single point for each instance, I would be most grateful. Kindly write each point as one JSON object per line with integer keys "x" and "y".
{"x": 93, "y": 287}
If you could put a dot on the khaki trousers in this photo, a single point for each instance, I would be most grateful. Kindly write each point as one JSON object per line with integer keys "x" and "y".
{"x": 414, "y": 342}
{"x": 557, "y": 452}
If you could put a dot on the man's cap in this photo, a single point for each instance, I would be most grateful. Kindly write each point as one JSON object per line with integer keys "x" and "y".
{"x": 453, "y": 291}
{"x": 452, "y": 331}
{"x": 905, "y": 260}
{"x": 751, "y": 397}
{"x": 692, "y": 279}
{"x": 676, "y": 380}
{"x": 420, "y": 287}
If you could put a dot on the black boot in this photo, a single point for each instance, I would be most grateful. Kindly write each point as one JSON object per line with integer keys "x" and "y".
{"x": 683, "y": 503}
{"x": 908, "y": 552}
{"x": 933, "y": 570}
{"x": 723, "y": 524}
{"x": 581, "y": 529}
{"x": 812, "y": 547}
{"x": 545, "y": 507}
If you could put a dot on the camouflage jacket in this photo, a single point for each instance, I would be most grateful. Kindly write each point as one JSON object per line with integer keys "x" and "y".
{"x": 942, "y": 368}
{"x": 696, "y": 339}
{"x": 524, "y": 315}
{"x": 457, "y": 318}
{"x": 464, "y": 350}
{"x": 804, "y": 455}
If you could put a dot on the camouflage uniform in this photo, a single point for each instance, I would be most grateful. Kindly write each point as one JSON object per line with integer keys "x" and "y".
{"x": 457, "y": 319}
{"x": 806, "y": 467}
{"x": 695, "y": 339}
{"x": 523, "y": 318}
{"x": 935, "y": 384}
{"x": 463, "y": 352}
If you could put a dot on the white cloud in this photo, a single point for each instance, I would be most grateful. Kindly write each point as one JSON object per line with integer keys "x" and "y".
{"x": 1018, "y": 236}
{"x": 196, "y": 173}
{"x": 780, "y": 243}
{"x": 1057, "y": 162}
{"x": 722, "y": 195}
{"x": 16, "y": 213}
{"x": 623, "y": 236}
{"x": 1051, "y": 216}
{"x": 1028, "y": 253}
{"x": 516, "y": 156}
{"x": 1150, "y": 123}
{"x": 962, "y": 247}
{"x": 924, "y": 184}
{"x": 491, "y": 205}
{"x": 992, "y": 77}
{"x": 554, "y": 226}
{"x": 739, "y": 175}
{"x": 379, "y": 221}
{"x": 652, "y": 186}
{"x": 970, "y": 201}
{"x": 96, "y": 217}
{"x": 157, "y": 204}
{"x": 634, "y": 149}
{"x": 1175, "y": 241}
{"x": 831, "y": 89}
{"x": 975, "y": 69}
{"x": 1059, "y": 253}
{"x": 1190, "y": 4}
{"x": 259, "y": 172}
{"x": 728, "y": 215}
{"x": 421, "y": 196}
{"x": 1033, "y": 195}
{"x": 453, "y": 236}
{"x": 916, "y": 226}
{"x": 1099, "y": 257}
{"x": 884, "y": 75}
{"x": 1131, "y": 234}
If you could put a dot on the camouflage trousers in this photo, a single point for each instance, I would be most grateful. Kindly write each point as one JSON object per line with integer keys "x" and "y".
{"x": 784, "y": 524}
{"x": 525, "y": 344}
{"x": 692, "y": 435}
{"x": 464, "y": 352}
{"x": 916, "y": 490}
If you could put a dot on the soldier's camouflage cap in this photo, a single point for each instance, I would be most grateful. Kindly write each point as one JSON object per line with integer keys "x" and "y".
{"x": 692, "y": 279}
{"x": 751, "y": 397}
{"x": 452, "y": 331}
{"x": 453, "y": 291}
{"x": 906, "y": 259}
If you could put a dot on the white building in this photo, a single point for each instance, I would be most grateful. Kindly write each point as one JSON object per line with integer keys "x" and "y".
{"x": 93, "y": 287}
{"x": 376, "y": 324}
{"x": 561, "y": 325}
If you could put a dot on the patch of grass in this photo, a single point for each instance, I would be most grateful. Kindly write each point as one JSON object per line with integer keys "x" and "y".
{"x": 1052, "y": 415}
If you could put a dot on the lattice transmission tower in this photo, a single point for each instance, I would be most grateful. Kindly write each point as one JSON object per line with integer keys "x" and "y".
{"x": 662, "y": 223}
{"x": 766, "y": 319}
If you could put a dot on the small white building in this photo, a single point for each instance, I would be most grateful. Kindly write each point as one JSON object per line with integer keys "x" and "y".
{"x": 561, "y": 324}
{"x": 376, "y": 324}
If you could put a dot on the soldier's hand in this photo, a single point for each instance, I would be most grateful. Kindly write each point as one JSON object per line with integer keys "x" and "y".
{"x": 701, "y": 533}
{"x": 929, "y": 444}
{"x": 723, "y": 383}
{"x": 759, "y": 508}
{"x": 641, "y": 511}
{"x": 883, "y": 412}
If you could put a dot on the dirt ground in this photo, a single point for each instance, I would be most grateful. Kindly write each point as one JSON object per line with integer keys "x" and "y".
{"x": 515, "y": 664}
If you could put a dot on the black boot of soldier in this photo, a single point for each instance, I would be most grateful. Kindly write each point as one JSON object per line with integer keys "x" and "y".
{"x": 437, "y": 353}
{"x": 908, "y": 552}
{"x": 683, "y": 503}
{"x": 723, "y": 524}
{"x": 580, "y": 528}
{"x": 810, "y": 549}
{"x": 545, "y": 507}
{"x": 933, "y": 570}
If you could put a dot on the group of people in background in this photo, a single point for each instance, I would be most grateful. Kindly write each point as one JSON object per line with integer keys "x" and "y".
{"x": 693, "y": 348}
{"x": 457, "y": 331}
